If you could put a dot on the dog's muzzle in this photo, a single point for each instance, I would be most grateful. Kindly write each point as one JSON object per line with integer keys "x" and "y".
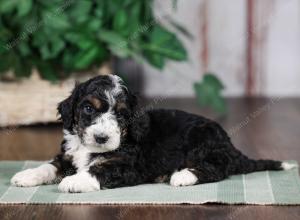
{"x": 101, "y": 139}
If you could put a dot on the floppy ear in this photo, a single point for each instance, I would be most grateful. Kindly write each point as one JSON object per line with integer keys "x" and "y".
{"x": 139, "y": 127}
{"x": 66, "y": 109}
{"x": 139, "y": 122}
{"x": 133, "y": 100}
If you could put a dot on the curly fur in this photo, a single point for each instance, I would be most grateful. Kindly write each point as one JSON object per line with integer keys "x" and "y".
{"x": 155, "y": 146}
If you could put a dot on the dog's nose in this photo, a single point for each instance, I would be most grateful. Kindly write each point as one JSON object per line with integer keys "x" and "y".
{"x": 101, "y": 139}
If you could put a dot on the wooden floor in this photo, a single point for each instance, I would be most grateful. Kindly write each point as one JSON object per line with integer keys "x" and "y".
{"x": 261, "y": 128}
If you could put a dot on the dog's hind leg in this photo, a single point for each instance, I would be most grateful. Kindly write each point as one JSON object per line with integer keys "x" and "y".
{"x": 204, "y": 173}
{"x": 183, "y": 177}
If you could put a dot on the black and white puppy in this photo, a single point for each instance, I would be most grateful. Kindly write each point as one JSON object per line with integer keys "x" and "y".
{"x": 109, "y": 143}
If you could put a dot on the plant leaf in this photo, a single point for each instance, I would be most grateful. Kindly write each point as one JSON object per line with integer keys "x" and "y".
{"x": 24, "y": 7}
{"x": 94, "y": 25}
{"x": 111, "y": 37}
{"x": 116, "y": 43}
{"x": 5, "y": 63}
{"x": 61, "y": 36}
{"x": 47, "y": 71}
{"x": 164, "y": 51}
{"x": 24, "y": 48}
{"x": 120, "y": 21}
{"x": 85, "y": 58}
{"x": 8, "y": 6}
{"x": 80, "y": 40}
{"x": 55, "y": 21}
{"x": 166, "y": 44}
{"x": 211, "y": 79}
{"x": 156, "y": 60}
{"x": 208, "y": 93}
{"x": 180, "y": 28}
{"x": 52, "y": 48}
{"x": 80, "y": 11}
{"x": 122, "y": 52}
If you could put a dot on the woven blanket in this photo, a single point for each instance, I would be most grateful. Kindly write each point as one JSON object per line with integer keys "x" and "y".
{"x": 264, "y": 188}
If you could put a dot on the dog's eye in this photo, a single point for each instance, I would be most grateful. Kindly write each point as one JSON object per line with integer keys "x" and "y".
{"x": 88, "y": 110}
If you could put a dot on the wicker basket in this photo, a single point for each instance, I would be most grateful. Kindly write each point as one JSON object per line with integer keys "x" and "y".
{"x": 35, "y": 100}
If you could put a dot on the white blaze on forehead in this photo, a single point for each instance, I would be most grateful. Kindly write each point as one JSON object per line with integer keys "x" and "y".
{"x": 116, "y": 90}
{"x": 117, "y": 81}
{"x": 110, "y": 98}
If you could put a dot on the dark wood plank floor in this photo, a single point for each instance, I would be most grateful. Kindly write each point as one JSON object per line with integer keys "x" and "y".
{"x": 261, "y": 128}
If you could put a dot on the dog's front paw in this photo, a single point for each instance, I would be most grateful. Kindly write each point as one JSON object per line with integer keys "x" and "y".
{"x": 79, "y": 183}
{"x": 26, "y": 178}
{"x": 34, "y": 177}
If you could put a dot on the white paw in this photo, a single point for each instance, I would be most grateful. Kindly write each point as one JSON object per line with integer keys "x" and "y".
{"x": 34, "y": 177}
{"x": 79, "y": 183}
{"x": 183, "y": 178}
{"x": 288, "y": 166}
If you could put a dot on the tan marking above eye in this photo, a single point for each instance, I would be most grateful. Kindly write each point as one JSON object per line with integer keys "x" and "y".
{"x": 95, "y": 102}
{"x": 120, "y": 106}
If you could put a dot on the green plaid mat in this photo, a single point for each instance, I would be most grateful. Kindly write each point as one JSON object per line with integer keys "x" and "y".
{"x": 269, "y": 187}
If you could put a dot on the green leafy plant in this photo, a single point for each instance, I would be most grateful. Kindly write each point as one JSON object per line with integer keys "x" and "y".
{"x": 208, "y": 93}
{"x": 60, "y": 37}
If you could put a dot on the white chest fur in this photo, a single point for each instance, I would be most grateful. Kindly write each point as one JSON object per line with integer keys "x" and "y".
{"x": 79, "y": 153}
{"x": 81, "y": 158}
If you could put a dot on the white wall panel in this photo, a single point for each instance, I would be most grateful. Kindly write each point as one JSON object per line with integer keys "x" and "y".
{"x": 275, "y": 44}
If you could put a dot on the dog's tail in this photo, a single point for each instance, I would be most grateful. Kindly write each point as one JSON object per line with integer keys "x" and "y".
{"x": 246, "y": 165}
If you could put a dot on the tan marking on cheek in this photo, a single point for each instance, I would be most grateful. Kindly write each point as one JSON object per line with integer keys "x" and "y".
{"x": 95, "y": 102}
{"x": 121, "y": 105}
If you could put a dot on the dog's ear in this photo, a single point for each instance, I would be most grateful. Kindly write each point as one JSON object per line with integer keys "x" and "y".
{"x": 139, "y": 122}
{"x": 132, "y": 100}
{"x": 139, "y": 126}
{"x": 67, "y": 107}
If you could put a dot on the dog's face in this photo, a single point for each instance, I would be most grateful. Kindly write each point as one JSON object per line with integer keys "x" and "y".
{"x": 97, "y": 112}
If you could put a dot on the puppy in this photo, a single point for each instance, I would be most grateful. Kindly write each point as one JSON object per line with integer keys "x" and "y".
{"x": 109, "y": 143}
